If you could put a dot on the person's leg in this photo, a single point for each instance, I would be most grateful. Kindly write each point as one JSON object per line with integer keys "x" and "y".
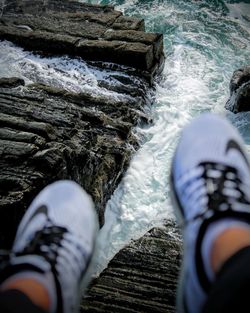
{"x": 52, "y": 249}
{"x": 210, "y": 183}
{"x": 227, "y": 244}
{"x": 28, "y": 285}
{"x": 15, "y": 301}
{"x": 230, "y": 290}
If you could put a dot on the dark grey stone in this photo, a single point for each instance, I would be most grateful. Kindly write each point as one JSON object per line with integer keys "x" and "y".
{"x": 78, "y": 29}
{"x": 142, "y": 277}
{"x": 48, "y": 134}
{"x": 239, "y": 100}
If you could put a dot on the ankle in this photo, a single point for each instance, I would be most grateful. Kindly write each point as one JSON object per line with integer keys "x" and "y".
{"x": 33, "y": 289}
{"x": 40, "y": 288}
{"x": 227, "y": 243}
{"x": 216, "y": 250}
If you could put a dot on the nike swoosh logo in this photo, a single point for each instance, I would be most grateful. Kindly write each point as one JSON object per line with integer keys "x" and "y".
{"x": 233, "y": 145}
{"x": 40, "y": 210}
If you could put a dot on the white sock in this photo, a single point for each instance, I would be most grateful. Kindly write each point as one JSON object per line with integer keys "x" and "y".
{"x": 212, "y": 233}
{"x": 46, "y": 279}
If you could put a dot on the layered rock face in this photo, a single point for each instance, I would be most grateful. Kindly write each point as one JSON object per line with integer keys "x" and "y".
{"x": 142, "y": 277}
{"x": 89, "y": 31}
{"x": 50, "y": 133}
{"x": 239, "y": 91}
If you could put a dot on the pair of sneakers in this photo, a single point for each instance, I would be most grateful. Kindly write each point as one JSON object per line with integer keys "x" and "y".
{"x": 210, "y": 180}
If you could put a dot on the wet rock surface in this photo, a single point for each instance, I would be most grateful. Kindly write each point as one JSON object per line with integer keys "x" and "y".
{"x": 142, "y": 277}
{"x": 92, "y": 32}
{"x": 239, "y": 100}
{"x": 48, "y": 134}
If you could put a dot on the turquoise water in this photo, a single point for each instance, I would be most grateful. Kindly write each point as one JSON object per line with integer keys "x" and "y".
{"x": 204, "y": 42}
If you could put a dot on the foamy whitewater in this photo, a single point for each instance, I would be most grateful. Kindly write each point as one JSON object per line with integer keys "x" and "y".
{"x": 204, "y": 42}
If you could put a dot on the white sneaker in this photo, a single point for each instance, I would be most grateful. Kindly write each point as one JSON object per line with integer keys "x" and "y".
{"x": 210, "y": 181}
{"x": 57, "y": 234}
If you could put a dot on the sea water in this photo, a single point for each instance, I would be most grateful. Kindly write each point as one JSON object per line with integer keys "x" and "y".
{"x": 204, "y": 42}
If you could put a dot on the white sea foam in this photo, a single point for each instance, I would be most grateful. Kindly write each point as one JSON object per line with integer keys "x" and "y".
{"x": 71, "y": 74}
{"x": 240, "y": 11}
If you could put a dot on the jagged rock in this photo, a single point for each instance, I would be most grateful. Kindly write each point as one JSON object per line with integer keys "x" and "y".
{"x": 92, "y": 32}
{"x": 142, "y": 277}
{"x": 11, "y": 82}
{"x": 239, "y": 91}
{"x": 48, "y": 134}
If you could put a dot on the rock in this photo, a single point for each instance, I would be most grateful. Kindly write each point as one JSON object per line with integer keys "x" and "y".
{"x": 78, "y": 29}
{"x": 129, "y": 23}
{"x": 142, "y": 277}
{"x": 239, "y": 91}
{"x": 48, "y": 134}
{"x": 11, "y": 82}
